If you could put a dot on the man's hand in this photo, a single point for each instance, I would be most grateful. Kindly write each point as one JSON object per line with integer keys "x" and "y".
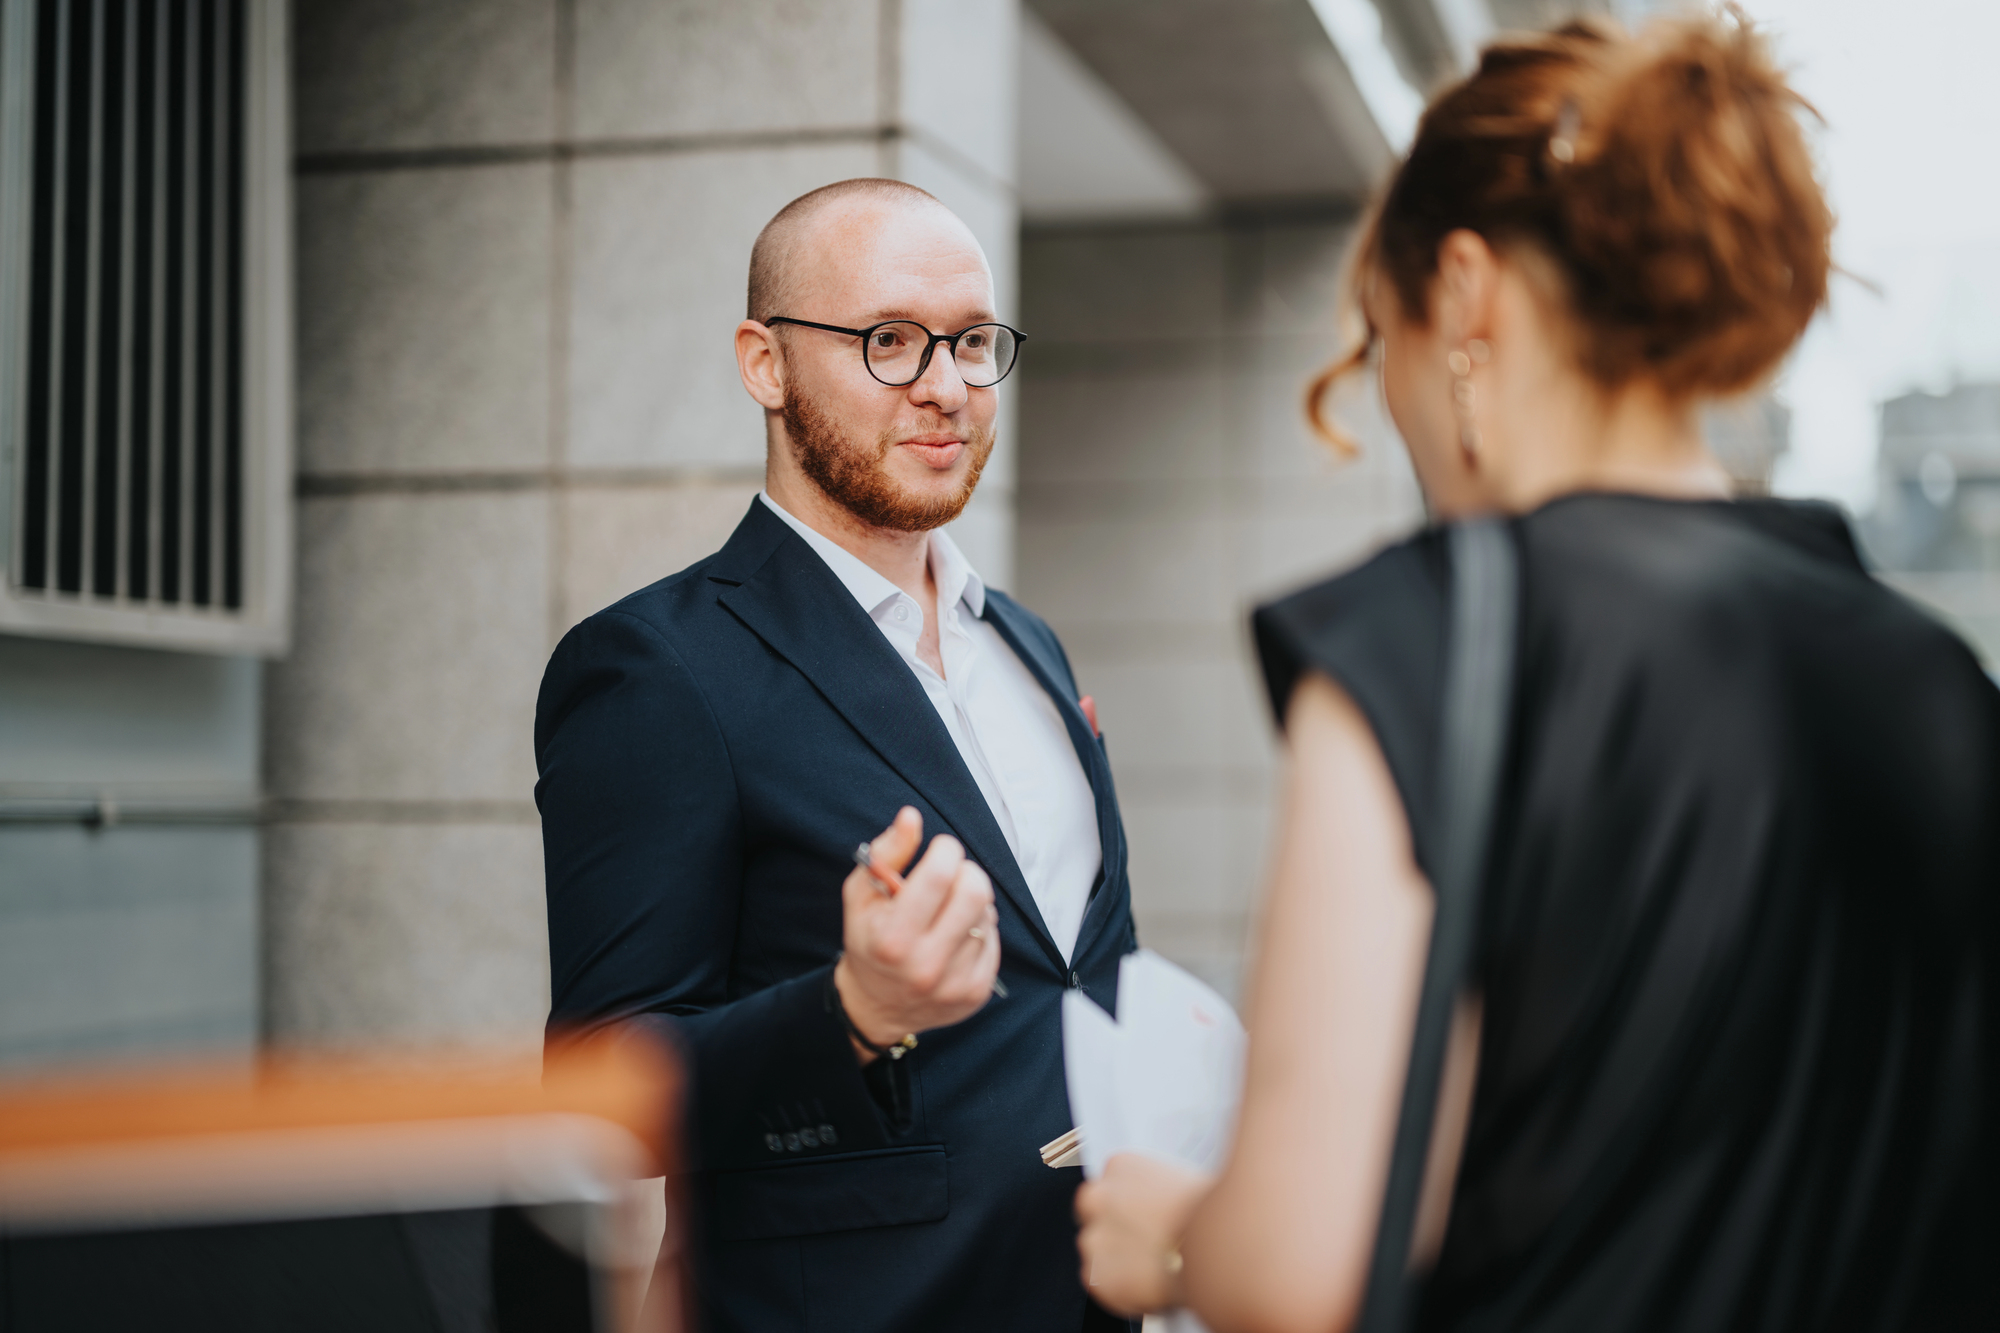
{"x": 1132, "y": 1218}
{"x": 925, "y": 958}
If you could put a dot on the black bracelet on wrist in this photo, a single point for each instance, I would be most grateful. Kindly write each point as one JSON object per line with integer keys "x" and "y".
{"x": 894, "y": 1051}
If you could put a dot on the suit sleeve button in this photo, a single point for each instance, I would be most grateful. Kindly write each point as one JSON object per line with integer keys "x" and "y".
{"x": 827, "y": 1136}
{"x": 809, "y": 1137}
{"x": 774, "y": 1143}
{"x": 792, "y": 1142}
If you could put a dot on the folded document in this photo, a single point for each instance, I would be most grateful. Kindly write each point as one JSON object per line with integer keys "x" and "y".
{"x": 1163, "y": 1078}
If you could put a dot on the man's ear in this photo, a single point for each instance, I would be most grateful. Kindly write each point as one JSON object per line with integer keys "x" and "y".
{"x": 761, "y": 364}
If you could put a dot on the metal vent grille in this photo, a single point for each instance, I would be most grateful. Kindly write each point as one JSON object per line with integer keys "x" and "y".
{"x": 139, "y": 481}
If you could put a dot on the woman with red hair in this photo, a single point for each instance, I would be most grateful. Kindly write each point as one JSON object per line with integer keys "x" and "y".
{"x": 1726, "y": 1057}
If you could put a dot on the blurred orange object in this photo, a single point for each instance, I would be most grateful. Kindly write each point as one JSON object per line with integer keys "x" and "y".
{"x": 548, "y": 1163}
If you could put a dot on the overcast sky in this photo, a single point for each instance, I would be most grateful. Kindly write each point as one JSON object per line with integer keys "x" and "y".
{"x": 1911, "y": 155}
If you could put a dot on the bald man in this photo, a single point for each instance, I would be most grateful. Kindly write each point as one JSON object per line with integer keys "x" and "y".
{"x": 876, "y": 1054}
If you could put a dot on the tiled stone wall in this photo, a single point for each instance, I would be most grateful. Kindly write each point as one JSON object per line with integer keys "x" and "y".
{"x": 1168, "y": 483}
{"x": 522, "y": 233}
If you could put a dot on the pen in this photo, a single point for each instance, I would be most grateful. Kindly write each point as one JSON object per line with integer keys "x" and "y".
{"x": 888, "y": 883}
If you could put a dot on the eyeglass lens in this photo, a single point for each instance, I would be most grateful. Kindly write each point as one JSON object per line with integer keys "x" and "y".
{"x": 984, "y": 355}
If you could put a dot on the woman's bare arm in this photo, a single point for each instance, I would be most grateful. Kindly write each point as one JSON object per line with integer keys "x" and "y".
{"x": 1282, "y": 1243}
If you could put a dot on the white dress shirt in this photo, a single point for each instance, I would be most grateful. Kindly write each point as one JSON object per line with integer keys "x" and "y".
{"x": 1003, "y": 722}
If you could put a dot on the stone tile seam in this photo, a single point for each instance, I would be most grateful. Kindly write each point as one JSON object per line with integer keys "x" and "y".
{"x": 1086, "y": 505}
{"x": 325, "y": 485}
{"x": 1224, "y": 333}
{"x": 1162, "y": 918}
{"x": 965, "y": 166}
{"x": 336, "y": 811}
{"x": 341, "y": 162}
{"x": 1240, "y": 214}
{"x": 1205, "y": 644}
{"x": 1224, "y": 785}
{"x": 562, "y": 312}
{"x": 889, "y": 61}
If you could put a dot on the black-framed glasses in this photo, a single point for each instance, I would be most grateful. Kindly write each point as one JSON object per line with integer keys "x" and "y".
{"x": 898, "y": 351}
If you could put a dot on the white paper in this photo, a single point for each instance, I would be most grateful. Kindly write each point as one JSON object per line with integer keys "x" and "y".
{"x": 1165, "y": 1078}
{"x": 1173, "y": 1321}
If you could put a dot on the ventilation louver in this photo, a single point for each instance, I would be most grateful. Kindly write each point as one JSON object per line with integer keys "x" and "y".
{"x": 141, "y": 374}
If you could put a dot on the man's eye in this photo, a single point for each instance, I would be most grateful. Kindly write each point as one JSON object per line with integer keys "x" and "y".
{"x": 973, "y": 341}
{"x": 887, "y": 338}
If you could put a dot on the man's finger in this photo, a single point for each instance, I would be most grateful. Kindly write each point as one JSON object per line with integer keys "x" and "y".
{"x": 894, "y": 846}
{"x": 949, "y": 941}
{"x": 977, "y": 961}
{"x": 968, "y": 950}
{"x": 928, "y": 885}
{"x": 971, "y": 899}
{"x": 861, "y": 890}
{"x": 990, "y": 963}
{"x": 982, "y": 936}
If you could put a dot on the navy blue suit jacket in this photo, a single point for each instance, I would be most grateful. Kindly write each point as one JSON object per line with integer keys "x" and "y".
{"x": 711, "y": 749}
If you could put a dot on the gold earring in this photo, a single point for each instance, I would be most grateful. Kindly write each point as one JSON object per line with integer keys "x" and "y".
{"x": 1464, "y": 397}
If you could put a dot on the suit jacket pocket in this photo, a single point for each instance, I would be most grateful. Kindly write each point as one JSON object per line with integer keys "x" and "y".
{"x": 881, "y": 1188}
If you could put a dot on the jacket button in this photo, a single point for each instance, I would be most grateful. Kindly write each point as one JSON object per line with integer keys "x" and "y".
{"x": 1075, "y": 982}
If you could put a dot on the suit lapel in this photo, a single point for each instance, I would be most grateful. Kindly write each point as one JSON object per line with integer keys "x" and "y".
{"x": 793, "y": 602}
{"x": 1007, "y": 618}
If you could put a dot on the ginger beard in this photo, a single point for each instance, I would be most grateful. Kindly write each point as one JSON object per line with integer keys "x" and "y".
{"x": 855, "y": 476}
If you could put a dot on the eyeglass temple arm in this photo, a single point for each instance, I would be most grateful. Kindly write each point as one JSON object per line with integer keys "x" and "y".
{"x": 811, "y": 324}
{"x": 935, "y": 338}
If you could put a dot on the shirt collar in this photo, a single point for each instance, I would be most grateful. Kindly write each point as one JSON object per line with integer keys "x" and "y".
{"x": 956, "y": 579}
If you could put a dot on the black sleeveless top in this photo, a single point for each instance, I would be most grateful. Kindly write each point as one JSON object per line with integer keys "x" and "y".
{"x": 1739, "y": 949}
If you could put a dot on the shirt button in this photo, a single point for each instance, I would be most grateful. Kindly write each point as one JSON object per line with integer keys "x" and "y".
{"x": 902, "y": 612}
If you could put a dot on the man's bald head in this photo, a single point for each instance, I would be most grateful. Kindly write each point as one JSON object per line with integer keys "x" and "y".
{"x": 775, "y": 260}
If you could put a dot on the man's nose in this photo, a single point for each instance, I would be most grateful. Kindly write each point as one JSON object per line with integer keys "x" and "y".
{"x": 940, "y": 385}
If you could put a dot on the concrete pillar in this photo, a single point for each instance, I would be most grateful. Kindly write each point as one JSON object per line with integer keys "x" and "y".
{"x": 523, "y": 230}
{"x": 1168, "y": 483}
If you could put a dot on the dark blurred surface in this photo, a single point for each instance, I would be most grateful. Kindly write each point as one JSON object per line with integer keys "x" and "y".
{"x": 464, "y": 1271}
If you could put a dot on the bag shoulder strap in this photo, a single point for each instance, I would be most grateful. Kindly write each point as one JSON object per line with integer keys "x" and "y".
{"x": 1478, "y": 695}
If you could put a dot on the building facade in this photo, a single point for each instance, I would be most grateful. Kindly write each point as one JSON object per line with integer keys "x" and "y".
{"x": 518, "y": 237}
{"x": 1935, "y": 528}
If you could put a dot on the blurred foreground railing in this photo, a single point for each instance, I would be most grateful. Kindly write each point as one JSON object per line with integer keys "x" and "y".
{"x": 452, "y": 1193}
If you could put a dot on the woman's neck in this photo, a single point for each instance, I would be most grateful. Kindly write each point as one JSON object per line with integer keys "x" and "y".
{"x": 1632, "y": 440}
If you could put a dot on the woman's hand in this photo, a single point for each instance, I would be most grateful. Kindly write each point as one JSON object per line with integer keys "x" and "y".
{"x": 1132, "y": 1219}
